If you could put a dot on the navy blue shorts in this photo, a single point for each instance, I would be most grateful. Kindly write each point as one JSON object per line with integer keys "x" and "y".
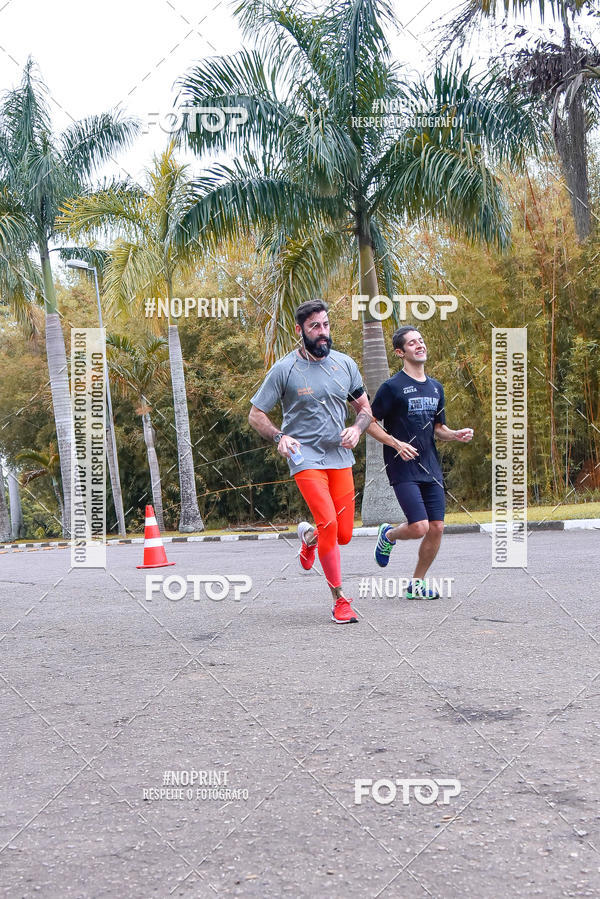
{"x": 421, "y": 502}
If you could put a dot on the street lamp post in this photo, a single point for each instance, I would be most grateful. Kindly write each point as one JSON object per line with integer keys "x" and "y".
{"x": 111, "y": 444}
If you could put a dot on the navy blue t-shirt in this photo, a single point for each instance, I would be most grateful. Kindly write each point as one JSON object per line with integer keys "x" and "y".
{"x": 409, "y": 410}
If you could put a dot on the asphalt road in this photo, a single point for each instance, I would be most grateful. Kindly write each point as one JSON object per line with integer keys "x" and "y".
{"x": 107, "y": 696}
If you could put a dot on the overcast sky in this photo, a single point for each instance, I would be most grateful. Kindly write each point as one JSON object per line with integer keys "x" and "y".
{"x": 96, "y": 56}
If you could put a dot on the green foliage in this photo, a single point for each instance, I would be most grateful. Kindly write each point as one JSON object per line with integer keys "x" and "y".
{"x": 39, "y": 171}
{"x": 546, "y": 283}
{"x": 224, "y": 366}
{"x": 310, "y": 179}
{"x": 290, "y": 208}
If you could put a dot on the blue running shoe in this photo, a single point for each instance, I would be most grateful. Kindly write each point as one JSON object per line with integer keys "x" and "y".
{"x": 418, "y": 589}
{"x": 383, "y": 547}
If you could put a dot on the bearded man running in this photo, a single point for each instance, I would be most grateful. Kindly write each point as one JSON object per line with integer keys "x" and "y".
{"x": 314, "y": 383}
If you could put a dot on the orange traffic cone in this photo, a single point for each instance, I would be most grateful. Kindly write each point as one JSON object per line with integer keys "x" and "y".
{"x": 154, "y": 551}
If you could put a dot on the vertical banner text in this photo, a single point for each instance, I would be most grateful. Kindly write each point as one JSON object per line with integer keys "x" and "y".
{"x": 509, "y": 447}
{"x": 88, "y": 473}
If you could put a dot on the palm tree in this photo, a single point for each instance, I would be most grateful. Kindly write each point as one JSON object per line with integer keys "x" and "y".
{"x": 321, "y": 179}
{"x": 20, "y": 278}
{"x": 144, "y": 262}
{"x": 135, "y": 367}
{"x": 555, "y": 76}
{"x": 38, "y": 173}
{"x": 47, "y": 465}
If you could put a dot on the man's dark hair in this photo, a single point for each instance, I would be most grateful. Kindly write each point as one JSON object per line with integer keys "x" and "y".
{"x": 305, "y": 310}
{"x": 399, "y": 336}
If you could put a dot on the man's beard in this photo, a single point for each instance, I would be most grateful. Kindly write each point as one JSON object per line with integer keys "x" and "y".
{"x": 319, "y": 347}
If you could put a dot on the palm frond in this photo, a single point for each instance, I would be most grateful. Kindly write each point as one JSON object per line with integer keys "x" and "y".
{"x": 299, "y": 271}
{"x": 134, "y": 271}
{"x": 480, "y": 111}
{"x": 94, "y": 256}
{"x": 320, "y": 152}
{"x": 441, "y": 165}
{"x": 118, "y": 207}
{"x": 24, "y": 113}
{"x": 89, "y": 143}
{"x": 46, "y": 183}
{"x": 229, "y": 201}
{"x": 138, "y": 366}
{"x": 47, "y": 459}
{"x": 358, "y": 29}
{"x": 14, "y": 224}
{"x": 18, "y": 291}
{"x": 422, "y": 180}
{"x": 297, "y": 39}
{"x": 244, "y": 81}
{"x": 20, "y": 277}
{"x": 557, "y": 7}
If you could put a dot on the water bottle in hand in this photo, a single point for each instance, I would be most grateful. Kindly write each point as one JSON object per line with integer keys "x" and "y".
{"x": 296, "y": 456}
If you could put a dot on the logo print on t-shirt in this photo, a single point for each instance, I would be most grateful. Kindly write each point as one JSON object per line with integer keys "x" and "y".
{"x": 422, "y": 404}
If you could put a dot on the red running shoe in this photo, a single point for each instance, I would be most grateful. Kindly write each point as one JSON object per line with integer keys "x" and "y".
{"x": 307, "y": 553}
{"x": 342, "y": 612}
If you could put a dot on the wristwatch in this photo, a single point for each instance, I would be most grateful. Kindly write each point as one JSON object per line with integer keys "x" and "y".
{"x": 277, "y": 437}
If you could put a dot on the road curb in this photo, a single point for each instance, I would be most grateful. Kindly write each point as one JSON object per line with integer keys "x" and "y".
{"x": 574, "y": 524}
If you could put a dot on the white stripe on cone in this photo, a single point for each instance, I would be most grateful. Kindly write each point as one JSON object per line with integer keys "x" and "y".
{"x": 153, "y": 541}
{"x": 151, "y": 520}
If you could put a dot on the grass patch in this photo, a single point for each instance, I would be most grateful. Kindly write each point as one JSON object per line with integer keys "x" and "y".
{"x": 566, "y": 511}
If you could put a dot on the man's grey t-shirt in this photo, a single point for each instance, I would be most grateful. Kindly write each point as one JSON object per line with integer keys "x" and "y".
{"x": 313, "y": 396}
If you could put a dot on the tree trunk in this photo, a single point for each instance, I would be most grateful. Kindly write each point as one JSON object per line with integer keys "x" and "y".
{"x": 569, "y": 136}
{"x": 61, "y": 402}
{"x": 111, "y": 444}
{"x": 154, "y": 470}
{"x": 59, "y": 384}
{"x": 59, "y": 500}
{"x": 16, "y": 510}
{"x": 378, "y": 502}
{"x": 570, "y": 140}
{"x": 5, "y": 533}
{"x": 190, "y": 518}
{"x": 113, "y": 468}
